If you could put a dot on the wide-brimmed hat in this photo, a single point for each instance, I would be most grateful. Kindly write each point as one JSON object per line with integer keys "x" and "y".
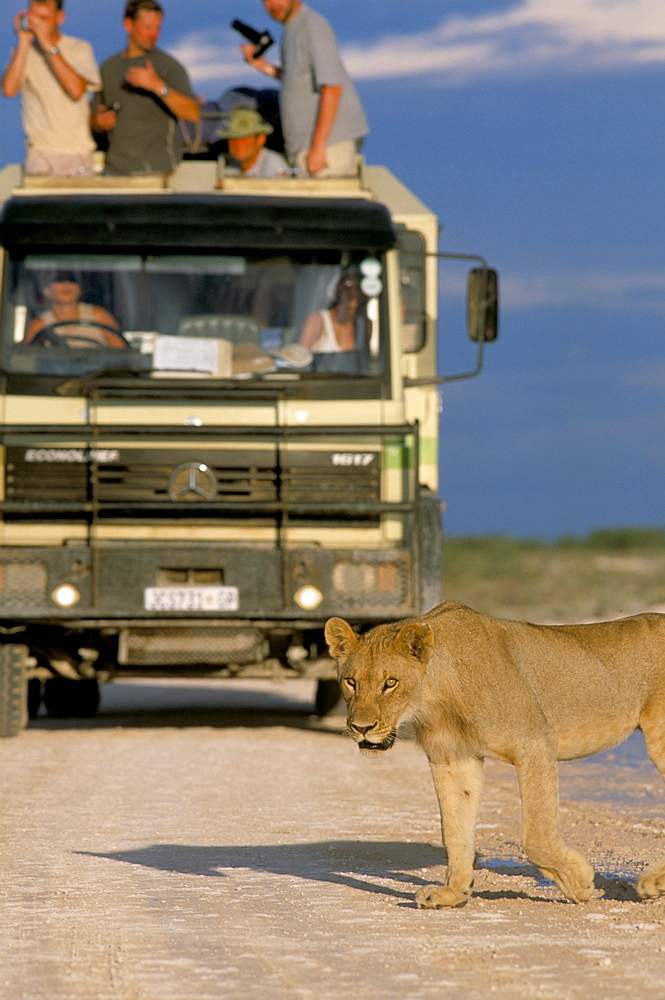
{"x": 243, "y": 122}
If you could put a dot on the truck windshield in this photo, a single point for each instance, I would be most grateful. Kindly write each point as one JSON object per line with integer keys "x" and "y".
{"x": 204, "y": 316}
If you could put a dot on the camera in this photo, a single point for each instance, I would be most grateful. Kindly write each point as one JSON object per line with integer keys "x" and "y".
{"x": 24, "y": 23}
{"x": 261, "y": 39}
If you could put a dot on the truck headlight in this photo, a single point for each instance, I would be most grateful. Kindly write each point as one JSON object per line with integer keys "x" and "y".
{"x": 308, "y": 597}
{"x": 66, "y": 595}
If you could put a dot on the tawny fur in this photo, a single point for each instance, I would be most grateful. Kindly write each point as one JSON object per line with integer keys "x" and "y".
{"x": 475, "y": 686}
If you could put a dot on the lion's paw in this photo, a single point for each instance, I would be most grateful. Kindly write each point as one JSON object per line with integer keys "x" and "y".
{"x": 652, "y": 883}
{"x": 435, "y": 897}
{"x": 576, "y": 879}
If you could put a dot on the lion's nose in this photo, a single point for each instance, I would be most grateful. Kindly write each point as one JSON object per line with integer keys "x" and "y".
{"x": 362, "y": 730}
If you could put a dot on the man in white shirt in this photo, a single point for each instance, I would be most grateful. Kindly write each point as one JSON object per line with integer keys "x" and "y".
{"x": 53, "y": 73}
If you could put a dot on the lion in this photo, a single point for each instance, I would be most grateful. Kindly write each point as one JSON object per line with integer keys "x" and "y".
{"x": 474, "y": 686}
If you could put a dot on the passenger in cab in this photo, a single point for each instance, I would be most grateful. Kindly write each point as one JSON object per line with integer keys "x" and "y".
{"x": 338, "y": 336}
{"x": 70, "y": 322}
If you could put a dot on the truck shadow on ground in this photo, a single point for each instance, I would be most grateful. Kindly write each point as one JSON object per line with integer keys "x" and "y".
{"x": 361, "y": 865}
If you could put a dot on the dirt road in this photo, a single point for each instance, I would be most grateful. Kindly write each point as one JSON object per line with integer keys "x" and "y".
{"x": 223, "y": 844}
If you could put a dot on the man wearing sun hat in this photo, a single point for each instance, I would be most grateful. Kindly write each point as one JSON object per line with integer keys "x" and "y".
{"x": 246, "y": 132}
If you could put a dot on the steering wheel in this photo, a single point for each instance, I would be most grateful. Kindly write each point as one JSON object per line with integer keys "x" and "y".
{"x": 48, "y": 334}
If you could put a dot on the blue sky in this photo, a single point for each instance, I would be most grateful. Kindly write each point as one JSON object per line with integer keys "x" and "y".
{"x": 534, "y": 129}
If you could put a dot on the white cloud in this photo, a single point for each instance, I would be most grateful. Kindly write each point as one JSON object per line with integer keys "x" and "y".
{"x": 644, "y": 291}
{"x": 641, "y": 291}
{"x": 531, "y": 36}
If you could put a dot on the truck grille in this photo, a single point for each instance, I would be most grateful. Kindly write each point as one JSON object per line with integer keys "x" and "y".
{"x": 126, "y": 476}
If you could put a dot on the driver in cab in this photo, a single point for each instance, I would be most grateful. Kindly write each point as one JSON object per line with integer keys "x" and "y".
{"x": 72, "y": 323}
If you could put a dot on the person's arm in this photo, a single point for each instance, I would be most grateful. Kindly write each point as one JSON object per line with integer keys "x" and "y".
{"x": 35, "y": 326}
{"x": 101, "y": 315}
{"x": 181, "y": 105}
{"x": 311, "y": 330}
{"x": 73, "y": 84}
{"x": 103, "y": 119}
{"x": 261, "y": 64}
{"x": 11, "y": 78}
{"x": 327, "y": 112}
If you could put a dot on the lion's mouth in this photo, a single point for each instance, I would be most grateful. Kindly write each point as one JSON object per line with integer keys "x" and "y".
{"x": 374, "y": 747}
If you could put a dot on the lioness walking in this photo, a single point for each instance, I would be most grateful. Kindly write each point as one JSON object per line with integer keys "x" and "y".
{"x": 531, "y": 695}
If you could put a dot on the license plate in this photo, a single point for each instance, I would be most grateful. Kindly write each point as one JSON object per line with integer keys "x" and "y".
{"x": 191, "y": 599}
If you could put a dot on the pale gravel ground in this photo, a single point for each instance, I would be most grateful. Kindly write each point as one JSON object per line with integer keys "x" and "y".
{"x": 226, "y": 852}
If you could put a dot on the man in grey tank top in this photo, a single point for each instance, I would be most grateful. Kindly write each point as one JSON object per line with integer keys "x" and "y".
{"x": 322, "y": 117}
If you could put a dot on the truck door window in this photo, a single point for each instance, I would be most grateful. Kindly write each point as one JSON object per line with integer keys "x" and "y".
{"x": 411, "y": 248}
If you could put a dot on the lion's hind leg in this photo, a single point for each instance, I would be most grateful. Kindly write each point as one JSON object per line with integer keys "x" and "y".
{"x": 652, "y": 883}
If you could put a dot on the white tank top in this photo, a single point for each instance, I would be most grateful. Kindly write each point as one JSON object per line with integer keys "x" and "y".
{"x": 327, "y": 342}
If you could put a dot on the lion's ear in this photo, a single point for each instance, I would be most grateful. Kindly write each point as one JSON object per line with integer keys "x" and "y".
{"x": 340, "y": 638}
{"x": 415, "y": 641}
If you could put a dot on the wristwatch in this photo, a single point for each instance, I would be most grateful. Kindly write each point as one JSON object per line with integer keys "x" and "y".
{"x": 54, "y": 51}
{"x": 165, "y": 91}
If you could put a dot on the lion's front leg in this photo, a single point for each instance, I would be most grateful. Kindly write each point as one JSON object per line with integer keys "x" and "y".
{"x": 458, "y": 787}
{"x": 541, "y": 836}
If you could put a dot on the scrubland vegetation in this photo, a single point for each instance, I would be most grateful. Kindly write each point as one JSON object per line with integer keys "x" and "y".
{"x": 610, "y": 572}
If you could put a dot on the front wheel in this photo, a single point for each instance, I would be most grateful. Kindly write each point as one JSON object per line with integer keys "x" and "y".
{"x": 328, "y": 695}
{"x": 13, "y": 689}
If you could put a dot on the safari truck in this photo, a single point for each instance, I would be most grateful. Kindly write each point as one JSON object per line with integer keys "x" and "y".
{"x": 189, "y": 485}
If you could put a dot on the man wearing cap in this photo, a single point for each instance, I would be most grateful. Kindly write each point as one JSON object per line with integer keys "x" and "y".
{"x": 322, "y": 117}
{"x": 246, "y": 132}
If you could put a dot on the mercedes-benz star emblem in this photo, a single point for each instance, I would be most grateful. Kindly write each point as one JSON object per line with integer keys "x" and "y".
{"x": 192, "y": 481}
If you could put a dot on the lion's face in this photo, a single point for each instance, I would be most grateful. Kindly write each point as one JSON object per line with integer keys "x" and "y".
{"x": 380, "y": 675}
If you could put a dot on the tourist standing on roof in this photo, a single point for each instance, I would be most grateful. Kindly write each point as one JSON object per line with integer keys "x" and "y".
{"x": 144, "y": 93}
{"x": 322, "y": 117}
{"x": 53, "y": 74}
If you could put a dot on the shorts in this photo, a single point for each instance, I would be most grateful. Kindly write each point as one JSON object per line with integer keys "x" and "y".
{"x": 342, "y": 160}
{"x": 47, "y": 164}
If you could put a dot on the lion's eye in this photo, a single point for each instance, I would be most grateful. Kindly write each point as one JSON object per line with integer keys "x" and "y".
{"x": 350, "y": 682}
{"x": 390, "y": 683}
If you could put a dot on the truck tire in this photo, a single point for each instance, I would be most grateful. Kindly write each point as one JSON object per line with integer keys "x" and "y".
{"x": 430, "y": 550}
{"x": 328, "y": 696}
{"x": 13, "y": 689}
{"x": 70, "y": 699}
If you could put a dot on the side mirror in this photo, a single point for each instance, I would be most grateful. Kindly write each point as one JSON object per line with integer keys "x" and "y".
{"x": 482, "y": 305}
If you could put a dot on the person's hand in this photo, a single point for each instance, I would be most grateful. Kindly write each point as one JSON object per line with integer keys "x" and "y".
{"x": 316, "y": 160}
{"x": 22, "y": 32}
{"x": 248, "y": 50}
{"x": 104, "y": 119}
{"x": 145, "y": 78}
{"x": 261, "y": 63}
{"x": 41, "y": 32}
